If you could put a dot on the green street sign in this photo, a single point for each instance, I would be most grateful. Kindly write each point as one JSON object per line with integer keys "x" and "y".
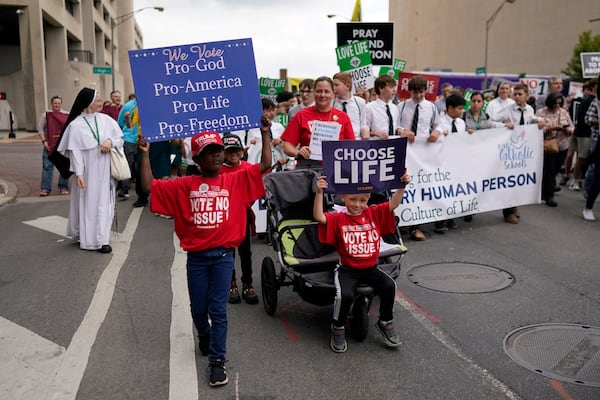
{"x": 480, "y": 70}
{"x": 102, "y": 70}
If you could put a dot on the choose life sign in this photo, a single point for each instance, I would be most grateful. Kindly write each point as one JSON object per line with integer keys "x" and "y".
{"x": 355, "y": 58}
{"x": 183, "y": 90}
{"x": 364, "y": 166}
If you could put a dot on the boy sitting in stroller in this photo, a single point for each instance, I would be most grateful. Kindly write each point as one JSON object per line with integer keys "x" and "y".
{"x": 356, "y": 235}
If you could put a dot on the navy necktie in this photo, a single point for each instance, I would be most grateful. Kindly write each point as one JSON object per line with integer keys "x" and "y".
{"x": 390, "y": 120}
{"x": 454, "y": 126}
{"x": 344, "y": 106}
{"x": 522, "y": 121}
{"x": 415, "y": 121}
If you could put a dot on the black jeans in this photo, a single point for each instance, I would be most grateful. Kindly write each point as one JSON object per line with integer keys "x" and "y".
{"x": 245, "y": 251}
{"x": 346, "y": 279}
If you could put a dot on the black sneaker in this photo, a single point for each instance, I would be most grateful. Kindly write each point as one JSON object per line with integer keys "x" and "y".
{"x": 389, "y": 334}
{"x": 338, "y": 340}
{"x": 440, "y": 227}
{"x": 248, "y": 294}
{"x": 218, "y": 373}
{"x": 204, "y": 342}
{"x": 564, "y": 180}
{"x": 234, "y": 294}
{"x": 140, "y": 202}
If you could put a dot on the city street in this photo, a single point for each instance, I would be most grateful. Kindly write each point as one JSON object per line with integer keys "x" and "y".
{"x": 82, "y": 325}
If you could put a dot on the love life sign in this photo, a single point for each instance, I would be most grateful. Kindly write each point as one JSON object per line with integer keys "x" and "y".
{"x": 183, "y": 90}
{"x": 364, "y": 166}
{"x": 355, "y": 58}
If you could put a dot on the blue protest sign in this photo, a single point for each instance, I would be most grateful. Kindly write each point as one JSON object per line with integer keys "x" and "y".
{"x": 183, "y": 90}
{"x": 364, "y": 166}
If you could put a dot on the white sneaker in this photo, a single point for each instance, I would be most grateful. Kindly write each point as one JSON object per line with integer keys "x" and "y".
{"x": 575, "y": 186}
{"x": 588, "y": 215}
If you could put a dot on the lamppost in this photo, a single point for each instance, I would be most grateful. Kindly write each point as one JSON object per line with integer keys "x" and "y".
{"x": 338, "y": 16}
{"x": 488, "y": 25}
{"x": 114, "y": 22}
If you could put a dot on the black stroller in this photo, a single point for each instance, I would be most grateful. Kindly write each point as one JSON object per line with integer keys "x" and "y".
{"x": 306, "y": 264}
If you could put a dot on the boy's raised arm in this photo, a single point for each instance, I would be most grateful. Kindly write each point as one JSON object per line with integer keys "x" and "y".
{"x": 318, "y": 214}
{"x": 267, "y": 155}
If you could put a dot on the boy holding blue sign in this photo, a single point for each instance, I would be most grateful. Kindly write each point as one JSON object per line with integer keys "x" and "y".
{"x": 209, "y": 213}
{"x": 356, "y": 235}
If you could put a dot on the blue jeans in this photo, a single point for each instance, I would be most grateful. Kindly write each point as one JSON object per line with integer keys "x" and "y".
{"x": 209, "y": 278}
{"x": 48, "y": 174}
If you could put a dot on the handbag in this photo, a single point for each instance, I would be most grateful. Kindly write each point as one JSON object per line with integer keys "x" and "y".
{"x": 550, "y": 146}
{"x": 119, "y": 167}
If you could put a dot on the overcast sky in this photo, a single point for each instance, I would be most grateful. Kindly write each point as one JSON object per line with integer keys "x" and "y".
{"x": 292, "y": 34}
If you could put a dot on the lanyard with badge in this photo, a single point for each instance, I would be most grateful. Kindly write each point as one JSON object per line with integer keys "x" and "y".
{"x": 95, "y": 133}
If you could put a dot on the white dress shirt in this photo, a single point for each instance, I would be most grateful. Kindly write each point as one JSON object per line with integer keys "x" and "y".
{"x": 429, "y": 117}
{"x": 355, "y": 108}
{"x": 376, "y": 118}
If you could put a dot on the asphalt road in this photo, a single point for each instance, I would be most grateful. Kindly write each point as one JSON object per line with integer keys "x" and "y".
{"x": 82, "y": 325}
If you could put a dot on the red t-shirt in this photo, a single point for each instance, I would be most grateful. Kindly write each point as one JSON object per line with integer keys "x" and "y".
{"x": 208, "y": 212}
{"x": 227, "y": 169}
{"x": 298, "y": 130}
{"x": 357, "y": 238}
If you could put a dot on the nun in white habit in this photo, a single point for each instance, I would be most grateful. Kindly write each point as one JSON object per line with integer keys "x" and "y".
{"x": 86, "y": 140}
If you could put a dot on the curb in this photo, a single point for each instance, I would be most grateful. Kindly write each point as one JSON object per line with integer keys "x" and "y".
{"x": 8, "y": 193}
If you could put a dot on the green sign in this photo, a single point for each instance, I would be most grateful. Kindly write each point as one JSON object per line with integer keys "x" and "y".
{"x": 355, "y": 58}
{"x": 102, "y": 70}
{"x": 353, "y": 55}
{"x": 394, "y": 70}
{"x": 480, "y": 70}
{"x": 282, "y": 119}
{"x": 271, "y": 87}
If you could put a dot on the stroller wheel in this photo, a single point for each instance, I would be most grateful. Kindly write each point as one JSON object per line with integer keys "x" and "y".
{"x": 359, "y": 326}
{"x": 269, "y": 285}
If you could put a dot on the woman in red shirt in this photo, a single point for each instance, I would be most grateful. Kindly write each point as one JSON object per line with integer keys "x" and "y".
{"x": 297, "y": 134}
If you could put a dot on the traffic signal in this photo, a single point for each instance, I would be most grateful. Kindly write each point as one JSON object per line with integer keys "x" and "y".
{"x": 2, "y": 95}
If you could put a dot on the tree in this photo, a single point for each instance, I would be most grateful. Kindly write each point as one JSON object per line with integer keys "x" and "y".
{"x": 587, "y": 43}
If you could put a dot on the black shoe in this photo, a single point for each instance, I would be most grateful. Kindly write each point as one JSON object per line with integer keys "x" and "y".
{"x": 248, "y": 294}
{"x": 440, "y": 227}
{"x": 551, "y": 202}
{"x": 390, "y": 337}
{"x": 451, "y": 224}
{"x": 557, "y": 189}
{"x": 203, "y": 342}
{"x": 234, "y": 294}
{"x": 468, "y": 218}
{"x": 218, "y": 373}
{"x": 105, "y": 249}
{"x": 140, "y": 203}
{"x": 564, "y": 181}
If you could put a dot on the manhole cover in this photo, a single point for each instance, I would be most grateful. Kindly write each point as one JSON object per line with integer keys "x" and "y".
{"x": 566, "y": 352}
{"x": 457, "y": 277}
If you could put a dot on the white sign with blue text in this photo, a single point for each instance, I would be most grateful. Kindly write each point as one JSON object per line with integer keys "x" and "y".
{"x": 183, "y": 90}
{"x": 466, "y": 174}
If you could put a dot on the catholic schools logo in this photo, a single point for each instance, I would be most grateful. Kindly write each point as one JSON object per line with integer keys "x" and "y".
{"x": 515, "y": 153}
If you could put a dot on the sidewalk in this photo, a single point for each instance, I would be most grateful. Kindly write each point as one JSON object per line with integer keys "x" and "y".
{"x": 20, "y": 165}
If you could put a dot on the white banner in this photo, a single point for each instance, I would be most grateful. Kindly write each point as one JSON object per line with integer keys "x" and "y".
{"x": 464, "y": 174}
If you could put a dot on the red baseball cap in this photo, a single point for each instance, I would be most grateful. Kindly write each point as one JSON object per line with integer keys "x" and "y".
{"x": 203, "y": 139}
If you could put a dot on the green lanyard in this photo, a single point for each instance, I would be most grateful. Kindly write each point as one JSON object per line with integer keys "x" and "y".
{"x": 96, "y": 133}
